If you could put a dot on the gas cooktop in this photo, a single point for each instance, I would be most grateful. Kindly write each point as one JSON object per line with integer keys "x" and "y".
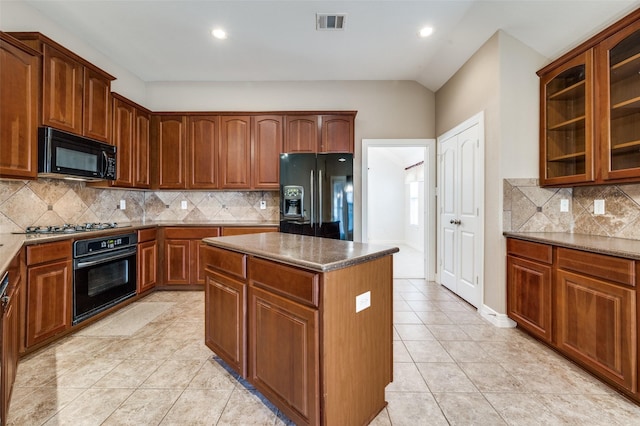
{"x": 69, "y": 228}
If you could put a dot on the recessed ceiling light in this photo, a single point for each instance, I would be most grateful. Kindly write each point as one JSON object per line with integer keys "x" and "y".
{"x": 425, "y": 32}
{"x": 219, "y": 33}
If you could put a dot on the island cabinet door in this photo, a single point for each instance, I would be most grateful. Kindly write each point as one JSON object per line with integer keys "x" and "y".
{"x": 225, "y": 319}
{"x": 283, "y": 355}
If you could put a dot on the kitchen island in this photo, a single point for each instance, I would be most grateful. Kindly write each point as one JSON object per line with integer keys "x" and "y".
{"x": 306, "y": 320}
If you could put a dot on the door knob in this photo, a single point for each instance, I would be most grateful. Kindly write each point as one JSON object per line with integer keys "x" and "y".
{"x": 455, "y": 221}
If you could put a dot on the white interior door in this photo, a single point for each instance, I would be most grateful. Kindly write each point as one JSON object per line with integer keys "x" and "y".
{"x": 448, "y": 212}
{"x": 461, "y": 191}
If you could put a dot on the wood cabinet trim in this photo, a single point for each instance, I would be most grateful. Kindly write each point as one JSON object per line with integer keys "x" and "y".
{"x": 530, "y": 250}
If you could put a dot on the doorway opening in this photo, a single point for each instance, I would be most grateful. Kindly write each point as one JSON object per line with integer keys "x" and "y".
{"x": 398, "y": 199}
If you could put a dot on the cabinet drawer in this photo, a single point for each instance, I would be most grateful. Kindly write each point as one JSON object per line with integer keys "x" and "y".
{"x": 291, "y": 282}
{"x": 610, "y": 268}
{"x": 187, "y": 233}
{"x": 529, "y": 250}
{"x": 228, "y": 262}
{"x": 48, "y": 252}
{"x": 145, "y": 235}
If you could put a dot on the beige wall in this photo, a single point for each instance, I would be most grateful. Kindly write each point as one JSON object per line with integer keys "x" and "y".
{"x": 500, "y": 80}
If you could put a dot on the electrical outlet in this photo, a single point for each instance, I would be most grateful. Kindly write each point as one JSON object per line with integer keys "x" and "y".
{"x": 263, "y": 205}
{"x": 183, "y": 204}
{"x": 598, "y": 206}
{"x": 363, "y": 301}
{"x": 123, "y": 204}
{"x": 564, "y": 205}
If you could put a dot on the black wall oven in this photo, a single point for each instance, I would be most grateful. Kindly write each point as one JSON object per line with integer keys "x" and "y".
{"x": 104, "y": 273}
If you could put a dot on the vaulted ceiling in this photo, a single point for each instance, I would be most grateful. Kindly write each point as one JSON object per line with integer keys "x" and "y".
{"x": 170, "y": 40}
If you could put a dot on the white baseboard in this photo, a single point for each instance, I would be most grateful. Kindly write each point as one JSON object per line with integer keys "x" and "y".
{"x": 498, "y": 320}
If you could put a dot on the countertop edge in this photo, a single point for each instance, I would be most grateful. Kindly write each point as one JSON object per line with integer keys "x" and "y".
{"x": 301, "y": 263}
{"x": 612, "y": 246}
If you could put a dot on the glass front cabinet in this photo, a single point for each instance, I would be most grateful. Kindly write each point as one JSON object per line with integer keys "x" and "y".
{"x": 590, "y": 110}
{"x": 567, "y": 116}
{"x": 619, "y": 69}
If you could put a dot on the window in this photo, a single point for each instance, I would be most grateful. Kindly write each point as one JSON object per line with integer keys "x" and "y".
{"x": 413, "y": 203}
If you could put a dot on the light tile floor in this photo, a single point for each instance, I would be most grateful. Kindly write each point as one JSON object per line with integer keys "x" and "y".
{"x": 451, "y": 367}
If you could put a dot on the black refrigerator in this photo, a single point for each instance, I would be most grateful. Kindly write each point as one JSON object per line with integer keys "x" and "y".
{"x": 316, "y": 195}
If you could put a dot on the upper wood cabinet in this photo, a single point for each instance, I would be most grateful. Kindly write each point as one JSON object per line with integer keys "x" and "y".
{"x": 567, "y": 123}
{"x": 266, "y": 147}
{"x": 301, "y": 134}
{"x": 589, "y": 109}
{"x": 169, "y": 151}
{"x": 319, "y": 133}
{"x": 130, "y": 135}
{"x": 238, "y": 151}
{"x": 76, "y": 95}
{"x": 235, "y": 152}
{"x": 337, "y": 133}
{"x": 203, "y": 151}
{"x": 618, "y": 59}
{"x": 19, "y": 75}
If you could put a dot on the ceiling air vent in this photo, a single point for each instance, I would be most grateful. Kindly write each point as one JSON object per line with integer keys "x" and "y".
{"x": 330, "y": 21}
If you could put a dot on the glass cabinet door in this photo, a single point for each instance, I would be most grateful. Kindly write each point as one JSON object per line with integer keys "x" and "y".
{"x": 619, "y": 66}
{"x": 566, "y": 120}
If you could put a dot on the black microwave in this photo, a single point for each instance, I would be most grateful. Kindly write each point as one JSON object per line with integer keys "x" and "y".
{"x": 67, "y": 156}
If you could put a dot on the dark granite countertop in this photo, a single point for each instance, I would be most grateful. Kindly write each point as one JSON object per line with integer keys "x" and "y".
{"x": 317, "y": 254}
{"x": 619, "y": 247}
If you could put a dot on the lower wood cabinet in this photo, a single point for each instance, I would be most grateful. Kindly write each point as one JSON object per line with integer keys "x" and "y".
{"x": 225, "y": 304}
{"x": 10, "y": 310}
{"x": 181, "y": 254}
{"x": 283, "y": 357}
{"x": 583, "y": 304}
{"x": 596, "y": 314}
{"x": 49, "y": 286}
{"x": 529, "y": 287}
{"x": 147, "y": 260}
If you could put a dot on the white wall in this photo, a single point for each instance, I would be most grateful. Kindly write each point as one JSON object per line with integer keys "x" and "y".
{"x": 387, "y": 206}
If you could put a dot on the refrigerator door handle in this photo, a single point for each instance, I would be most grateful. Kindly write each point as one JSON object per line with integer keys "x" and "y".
{"x": 311, "y": 186}
{"x": 320, "y": 197}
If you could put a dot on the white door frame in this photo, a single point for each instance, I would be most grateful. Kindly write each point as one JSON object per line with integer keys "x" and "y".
{"x": 479, "y": 120}
{"x": 429, "y": 193}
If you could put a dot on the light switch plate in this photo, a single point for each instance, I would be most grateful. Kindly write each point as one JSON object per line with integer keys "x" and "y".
{"x": 598, "y": 206}
{"x": 363, "y": 301}
{"x": 183, "y": 204}
{"x": 263, "y": 205}
{"x": 564, "y": 205}
{"x": 123, "y": 204}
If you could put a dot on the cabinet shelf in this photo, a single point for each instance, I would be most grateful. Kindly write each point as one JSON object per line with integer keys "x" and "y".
{"x": 626, "y": 68}
{"x": 572, "y": 92}
{"x": 572, "y": 124}
{"x": 625, "y": 108}
{"x": 626, "y": 147}
{"x": 579, "y": 156}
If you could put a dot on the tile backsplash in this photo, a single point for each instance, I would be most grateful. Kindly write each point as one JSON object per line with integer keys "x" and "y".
{"x": 529, "y": 208}
{"x": 56, "y": 202}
